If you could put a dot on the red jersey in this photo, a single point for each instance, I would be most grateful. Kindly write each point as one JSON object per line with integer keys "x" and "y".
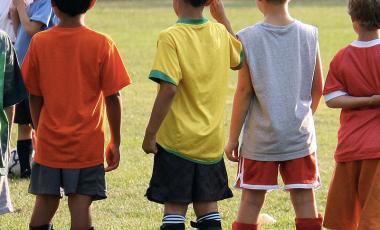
{"x": 355, "y": 71}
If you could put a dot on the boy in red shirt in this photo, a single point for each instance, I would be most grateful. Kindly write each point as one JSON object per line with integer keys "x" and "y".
{"x": 72, "y": 74}
{"x": 353, "y": 84}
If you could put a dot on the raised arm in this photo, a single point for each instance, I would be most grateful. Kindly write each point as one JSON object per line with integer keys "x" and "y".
{"x": 217, "y": 11}
{"x": 14, "y": 17}
{"x": 242, "y": 100}
{"x": 317, "y": 88}
{"x": 31, "y": 27}
{"x": 161, "y": 108}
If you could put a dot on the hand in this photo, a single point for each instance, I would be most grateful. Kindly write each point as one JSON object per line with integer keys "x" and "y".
{"x": 150, "y": 144}
{"x": 112, "y": 157}
{"x": 217, "y": 11}
{"x": 232, "y": 151}
{"x": 375, "y": 100}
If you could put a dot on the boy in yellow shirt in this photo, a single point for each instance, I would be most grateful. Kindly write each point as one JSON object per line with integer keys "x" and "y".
{"x": 186, "y": 129}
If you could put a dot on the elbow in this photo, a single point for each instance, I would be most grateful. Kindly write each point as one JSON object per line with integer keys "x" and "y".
{"x": 31, "y": 30}
{"x": 113, "y": 98}
{"x": 331, "y": 104}
{"x": 170, "y": 90}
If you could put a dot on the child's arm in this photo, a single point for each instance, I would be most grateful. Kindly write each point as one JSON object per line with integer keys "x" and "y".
{"x": 14, "y": 17}
{"x": 242, "y": 100}
{"x": 35, "y": 103}
{"x": 349, "y": 102}
{"x": 161, "y": 108}
{"x": 31, "y": 27}
{"x": 218, "y": 12}
{"x": 113, "y": 105}
{"x": 317, "y": 88}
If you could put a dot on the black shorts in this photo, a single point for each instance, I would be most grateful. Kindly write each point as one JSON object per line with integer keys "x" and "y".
{"x": 58, "y": 182}
{"x": 22, "y": 115}
{"x": 177, "y": 180}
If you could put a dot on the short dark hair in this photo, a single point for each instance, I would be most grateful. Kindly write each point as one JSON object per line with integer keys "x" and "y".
{"x": 73, "y": 7}
{"x": 366, "y": 12}
{"x": 277, "y": 2}
{"x": 197, "y": 3}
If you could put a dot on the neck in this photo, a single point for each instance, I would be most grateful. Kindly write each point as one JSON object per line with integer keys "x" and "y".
{"x": 366, "y": 36}
{"x": 187, "y": 11}
{"x": 278, "y": 15}
{"x": 72, "y": 22}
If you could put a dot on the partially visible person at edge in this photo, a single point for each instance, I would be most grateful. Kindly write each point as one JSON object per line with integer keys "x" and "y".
{"x": 279, "y": 89}
{"x": 29, "y": 17}
{"x": 186, "y": 128}
{"x": 353, "y": 85}
{"x": 70, "y": 143}
{"x": 12, "y": 91}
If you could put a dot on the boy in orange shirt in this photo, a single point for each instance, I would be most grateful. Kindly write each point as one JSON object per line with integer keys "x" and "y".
{"x": 353, "y": 85}
{"x": 72, "y": 73}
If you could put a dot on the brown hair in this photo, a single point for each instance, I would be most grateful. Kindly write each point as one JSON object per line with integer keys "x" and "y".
{"x": 277, "y": 2}
{"x": 366, "y": 12}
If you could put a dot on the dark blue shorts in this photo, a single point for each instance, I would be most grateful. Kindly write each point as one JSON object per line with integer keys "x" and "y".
{"x": 56, "y": 182}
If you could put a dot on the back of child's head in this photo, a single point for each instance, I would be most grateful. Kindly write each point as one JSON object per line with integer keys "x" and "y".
{"x": 73, "y": 7}
{"x": 366, "y": 13}
{"x": 277, "y": 2}
{"x": 197, "y": 3}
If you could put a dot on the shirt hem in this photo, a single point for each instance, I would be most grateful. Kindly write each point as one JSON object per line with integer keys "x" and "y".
{"x": 242, "y": 57}
{"x": 350, "y": 159}
{"x": 158, "y": 76}
{"x": 280, "y": 156}
{"x": 198, "y": 161}
{"x": 117, "y": 89}
{"x": 69, "y": 165}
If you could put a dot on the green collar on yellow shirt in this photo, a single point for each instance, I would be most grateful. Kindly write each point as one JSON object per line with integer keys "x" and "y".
{"x": 192, "y": 21}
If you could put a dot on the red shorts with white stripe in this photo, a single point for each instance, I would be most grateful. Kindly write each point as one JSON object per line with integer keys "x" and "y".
{"x": 299, "y": 173}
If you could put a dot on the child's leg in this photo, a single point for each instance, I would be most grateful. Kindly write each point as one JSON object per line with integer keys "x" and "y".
{"x": 44, "y": 210}
{"x": 80, "y": 211}
{"x": 303, "y": 201}
{"x": 174, "y": 216}
{"x": 24, "y": 149}
{"x": 250, "y": 205}
{"x": 301, "y": 177}
{"x": 208, "y": 216}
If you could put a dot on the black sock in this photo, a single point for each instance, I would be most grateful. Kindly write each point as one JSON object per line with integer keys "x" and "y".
{"x": 173, "y": 222}
{"x": 24, "y": 151}
{"x": 210, "y": 221}
{"x": 42, "y": 227}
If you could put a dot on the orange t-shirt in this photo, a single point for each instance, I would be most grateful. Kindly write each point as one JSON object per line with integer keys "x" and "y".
{"x": 355, "y": 71}
{"x": 73, "y": 69}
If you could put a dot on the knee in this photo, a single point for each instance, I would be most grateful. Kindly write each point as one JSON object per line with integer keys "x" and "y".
{"x": 253, "y": 198}
{"x": 302, "y": 196}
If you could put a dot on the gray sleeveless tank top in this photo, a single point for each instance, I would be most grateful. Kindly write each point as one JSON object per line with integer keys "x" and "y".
{"x": 279, "y": 125}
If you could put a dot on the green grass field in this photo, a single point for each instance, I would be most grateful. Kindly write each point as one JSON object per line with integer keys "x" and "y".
{"x": 134, "y": 25}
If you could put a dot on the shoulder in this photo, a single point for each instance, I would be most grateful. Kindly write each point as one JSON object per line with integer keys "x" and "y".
{"x": 41, "y": 3}
{"x": 253, "y": 30}
{"x": 339, "y": 57}
{"x": 307, "y": 28}
{"x": 167, "y": 35}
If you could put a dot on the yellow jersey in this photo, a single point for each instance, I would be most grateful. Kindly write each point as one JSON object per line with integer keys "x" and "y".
{"x": 196, "y": 55}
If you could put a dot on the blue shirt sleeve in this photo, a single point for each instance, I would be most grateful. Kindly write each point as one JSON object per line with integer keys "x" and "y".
{"x": 42, "y": 12}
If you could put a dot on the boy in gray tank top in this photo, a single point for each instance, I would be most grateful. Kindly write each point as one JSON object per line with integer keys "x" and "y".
{"x": 278, "y": 91}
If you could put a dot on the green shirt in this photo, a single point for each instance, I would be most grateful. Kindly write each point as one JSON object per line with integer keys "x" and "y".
{"x": 12, "y": 91}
